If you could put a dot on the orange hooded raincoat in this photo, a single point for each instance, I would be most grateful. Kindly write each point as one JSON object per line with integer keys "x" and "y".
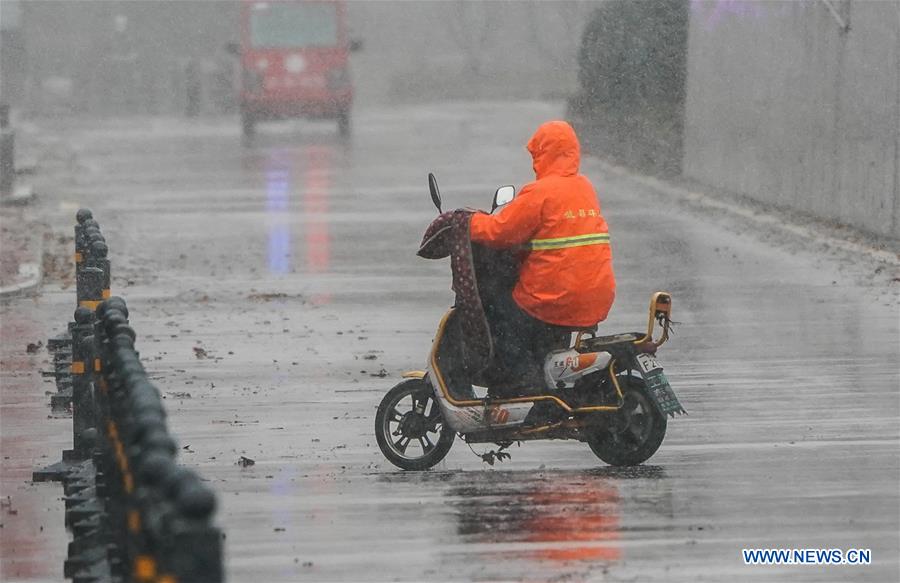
{"x": 567, "y": 277}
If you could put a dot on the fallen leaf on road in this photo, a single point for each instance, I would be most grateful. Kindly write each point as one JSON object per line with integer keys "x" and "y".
{"x": 32, "y": 347}
{"x": 265, "y": 297}
{"x": 200, "y": 353}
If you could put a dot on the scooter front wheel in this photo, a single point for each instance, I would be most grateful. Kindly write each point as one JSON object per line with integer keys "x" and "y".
{"x": 410, "y": 428}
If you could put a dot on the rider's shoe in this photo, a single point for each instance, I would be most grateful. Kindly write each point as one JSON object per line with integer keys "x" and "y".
{"x": 519, "y": 383}
{"x": 513, "y": 389}
{"x": 544, "y": 413}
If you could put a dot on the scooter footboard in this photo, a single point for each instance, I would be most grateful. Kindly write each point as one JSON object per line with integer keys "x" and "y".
{"x": 463, "y": 411}
{"x": 473, "y": 418}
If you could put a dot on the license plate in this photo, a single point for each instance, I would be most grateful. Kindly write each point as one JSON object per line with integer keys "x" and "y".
{"x": 662, "y": 393}
{"x": 648, "y": 363}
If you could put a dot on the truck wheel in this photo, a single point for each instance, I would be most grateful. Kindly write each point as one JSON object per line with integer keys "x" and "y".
{"x": 343, "y": 123}
{"x": 248, "y": 125}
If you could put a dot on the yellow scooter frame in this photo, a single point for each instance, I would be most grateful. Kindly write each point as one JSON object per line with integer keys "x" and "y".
{"x": 660, "y": 317}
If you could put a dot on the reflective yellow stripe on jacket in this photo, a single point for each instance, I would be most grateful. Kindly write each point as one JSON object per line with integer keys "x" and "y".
{"x": 565, "y": 242}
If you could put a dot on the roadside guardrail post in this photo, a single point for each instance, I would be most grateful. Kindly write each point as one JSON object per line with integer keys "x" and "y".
{"x": 89, "y": 285}
{"x": 90, "y": 231}
{"x": 80, "y": 242}
{"x": 193, "y": 549}
{"x": 197, "y": 546}
{"x": 82, "y": 393}
{"x": 134, "y": 514}
{"x": 97, "y": 258}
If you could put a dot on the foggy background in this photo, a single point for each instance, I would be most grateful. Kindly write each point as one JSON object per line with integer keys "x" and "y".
{"x": 793, "y": 104}
{"x": 276, "y": 294}
{"x": 133, "y": 56}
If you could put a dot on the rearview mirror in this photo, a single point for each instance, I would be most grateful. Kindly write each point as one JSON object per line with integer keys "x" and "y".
{"x": 504, "y": 195}
{"x": 435, "y": 193}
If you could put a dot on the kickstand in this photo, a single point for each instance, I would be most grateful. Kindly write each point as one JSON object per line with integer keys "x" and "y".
{"x": 489, "y": 457}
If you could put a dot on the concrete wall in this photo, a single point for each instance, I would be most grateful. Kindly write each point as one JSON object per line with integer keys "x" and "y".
{"x": 786, "y": 108}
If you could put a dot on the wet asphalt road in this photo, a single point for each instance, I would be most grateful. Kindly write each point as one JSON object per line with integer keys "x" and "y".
{"x": 291, "y": 264}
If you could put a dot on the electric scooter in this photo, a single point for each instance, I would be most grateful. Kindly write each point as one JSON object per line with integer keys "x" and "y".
{"x": 607, "y": 391}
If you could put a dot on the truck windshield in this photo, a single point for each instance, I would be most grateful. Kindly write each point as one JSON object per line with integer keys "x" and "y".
{"x": 293, "y": 25}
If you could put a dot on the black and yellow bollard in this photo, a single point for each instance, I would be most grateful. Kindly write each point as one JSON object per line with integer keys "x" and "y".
{"x": 82, "y": 386}
{"x": 89, "y": 287}
{"x": 90, "y": 278}
{"x": 196, "y": 550}
{"x": 80, "y": 217}
{"x": 98, "y": 258}
{"x": 135, "y": 514}
{"x": 89, "y": 232}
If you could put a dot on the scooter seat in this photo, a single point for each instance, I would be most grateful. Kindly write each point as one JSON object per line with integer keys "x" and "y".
{"x": 599, "y": 343}
{"x": 586, "y": 329}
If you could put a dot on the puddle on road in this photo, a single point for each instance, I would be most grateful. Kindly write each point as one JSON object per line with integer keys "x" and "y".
{"x": 278, "y": 184}
{"x": 546, "y": 517}
{"x": 306, "y": 172}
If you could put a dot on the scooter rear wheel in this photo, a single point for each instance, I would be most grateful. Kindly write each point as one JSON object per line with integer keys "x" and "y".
{"x": 410, "y": 428}
{"x": 632, "y": 434}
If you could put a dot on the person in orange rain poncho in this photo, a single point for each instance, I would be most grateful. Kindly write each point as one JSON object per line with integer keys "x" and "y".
{"x": 566, "y": 279}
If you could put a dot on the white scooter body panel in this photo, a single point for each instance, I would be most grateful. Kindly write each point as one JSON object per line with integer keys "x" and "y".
{"x": 563, "y": 368}
{"x": 471, "y": 419}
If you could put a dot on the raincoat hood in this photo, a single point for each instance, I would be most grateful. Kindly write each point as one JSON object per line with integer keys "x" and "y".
{"x": 555, "y": 150}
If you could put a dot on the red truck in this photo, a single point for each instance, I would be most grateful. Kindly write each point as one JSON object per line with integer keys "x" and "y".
{"x": 294, "y": 57}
